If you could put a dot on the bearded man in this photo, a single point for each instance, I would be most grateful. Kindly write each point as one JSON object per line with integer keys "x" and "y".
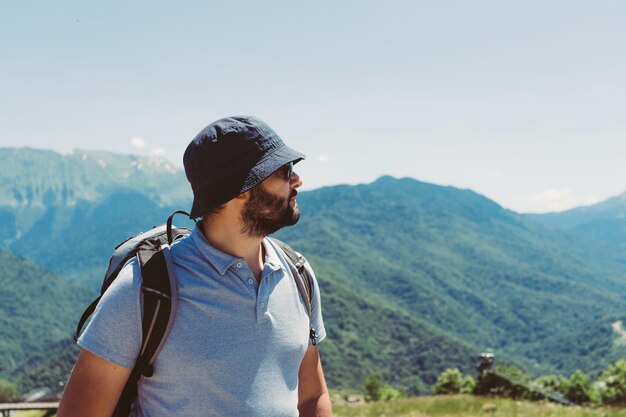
{"x": 240, "y": 344}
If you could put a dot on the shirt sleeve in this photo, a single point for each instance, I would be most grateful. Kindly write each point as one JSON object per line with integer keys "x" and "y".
{"x": 317, "y": 321}
{"x": 114, "y": 331}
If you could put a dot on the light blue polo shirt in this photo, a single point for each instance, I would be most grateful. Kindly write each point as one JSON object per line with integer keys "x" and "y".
{"x": 235, "y": 346}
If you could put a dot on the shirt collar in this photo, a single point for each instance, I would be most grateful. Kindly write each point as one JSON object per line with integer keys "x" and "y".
{"x": 272, "y": 259}
{"x": 222, "y": 261}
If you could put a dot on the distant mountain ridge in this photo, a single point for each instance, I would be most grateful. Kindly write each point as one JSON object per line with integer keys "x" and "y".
{"x": 85, "y": 202}
{"x": 605, "y": 221}
{"x": 40, "y": 178}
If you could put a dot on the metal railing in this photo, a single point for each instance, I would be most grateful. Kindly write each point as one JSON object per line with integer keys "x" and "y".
{"x": 49, "y": 407}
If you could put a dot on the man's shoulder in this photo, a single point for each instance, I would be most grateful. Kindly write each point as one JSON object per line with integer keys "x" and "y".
{"x": 294, "y": 262}
{"x": 283, "y": 246}
{"x": 182, "y": 247}
{"x": 128, "y": 279}
{"x": 285, "y": 252}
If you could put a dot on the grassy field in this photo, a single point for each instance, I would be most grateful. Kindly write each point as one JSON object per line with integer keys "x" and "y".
{"x": 453, "y": 406}
{"x": 469, "y": 406}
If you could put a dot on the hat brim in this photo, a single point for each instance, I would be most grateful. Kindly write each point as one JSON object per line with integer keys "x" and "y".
{"x": 231, "y": 187}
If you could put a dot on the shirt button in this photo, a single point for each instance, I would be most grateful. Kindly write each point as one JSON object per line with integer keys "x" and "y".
{"x": 239, "y": 264}
{"x": 262, "y": 305}
{"x": 250, "y": 281}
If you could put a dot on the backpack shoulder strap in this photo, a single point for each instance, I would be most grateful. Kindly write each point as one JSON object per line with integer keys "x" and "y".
{"x": 159, "y": 299}
{"x": 86, "y": 314}
{"x": 159, "y": 293}
{"x": 300, "y": 273}
{"x": 303, "y": 278}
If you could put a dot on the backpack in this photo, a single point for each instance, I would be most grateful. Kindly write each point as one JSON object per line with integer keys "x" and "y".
{"x": 159, "y": 291}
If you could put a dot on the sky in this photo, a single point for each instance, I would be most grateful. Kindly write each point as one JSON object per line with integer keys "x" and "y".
{"x": 522, "y": 102}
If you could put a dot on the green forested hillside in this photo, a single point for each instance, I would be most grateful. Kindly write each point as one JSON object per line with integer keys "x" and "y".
{"x": 37, "y": 311}
{"x": 459, "y": 261}
{"x": 80, "y": 240}
{"x": 366, "y": 333}
{"x": 49, "y": 369}
{"x": 589, "y": 349}
{"x": 66, "y": 212}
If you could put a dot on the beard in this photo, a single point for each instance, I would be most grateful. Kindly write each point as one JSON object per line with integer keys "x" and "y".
{"x": 265, "y": 213}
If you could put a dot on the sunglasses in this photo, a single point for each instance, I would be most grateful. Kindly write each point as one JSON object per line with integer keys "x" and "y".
{"x": 287, "y": 170}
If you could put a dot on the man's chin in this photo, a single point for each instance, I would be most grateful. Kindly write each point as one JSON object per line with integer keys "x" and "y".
{"x": 295, "y": 216}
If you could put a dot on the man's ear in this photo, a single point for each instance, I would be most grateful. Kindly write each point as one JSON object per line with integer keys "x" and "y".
{"x": 243, "y": 196}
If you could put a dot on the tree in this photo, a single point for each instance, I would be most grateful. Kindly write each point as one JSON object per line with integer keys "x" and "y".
{"x": 373, "y": 386}
{"x": 414, "y": 386}
{"x": 448, "y": 382}
{"x": 388, "y": 393}
{"x": 468, "y": 385}
{"x": 614, "y": 380}
{"x": 8, "y": 391}
{"x": 377, "y": 389}
{"x": 549, "y": 383}
{"x": 578, "y": 389}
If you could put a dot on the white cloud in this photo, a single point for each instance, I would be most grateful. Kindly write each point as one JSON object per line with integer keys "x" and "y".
{"x": 147, "y": 148}
{"x": 591, "y": 200}
{"x": 554, "y": 199}
{"x": 138, "y": 142}
{"x": 559, "y": 199}
{"x": 323, "y": 158}
{"x": 553, "y": 194}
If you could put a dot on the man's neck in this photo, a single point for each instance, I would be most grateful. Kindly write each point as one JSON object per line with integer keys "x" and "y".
{"x": 227, "y": 236}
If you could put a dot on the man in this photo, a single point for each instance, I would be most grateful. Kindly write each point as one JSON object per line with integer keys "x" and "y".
{"x": 239, "y": 344}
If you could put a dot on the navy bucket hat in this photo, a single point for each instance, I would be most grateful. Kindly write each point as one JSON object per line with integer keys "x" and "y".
{"x": 231, "y": 156}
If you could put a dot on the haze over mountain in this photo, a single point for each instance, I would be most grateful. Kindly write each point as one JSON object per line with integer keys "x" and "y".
{"x": 605, "y": 221}
{"x": 416, "y": 277}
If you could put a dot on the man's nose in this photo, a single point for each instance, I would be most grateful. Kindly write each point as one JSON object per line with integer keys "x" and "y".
{"x": 295, "y": 181}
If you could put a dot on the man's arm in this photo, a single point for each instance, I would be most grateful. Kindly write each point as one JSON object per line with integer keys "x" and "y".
{"x": 94, "y": 387}
{"x": 313, "y": 397}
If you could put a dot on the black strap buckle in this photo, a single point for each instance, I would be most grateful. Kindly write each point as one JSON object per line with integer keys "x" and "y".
{"x": 313, "y": 336}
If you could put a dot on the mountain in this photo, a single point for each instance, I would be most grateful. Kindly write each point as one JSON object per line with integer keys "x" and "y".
{"x": 459, "y": 261}
{"x": 604, "y": 222}
{"x": 34, "y": 178}
{"x": 67, "y": 212}
{"x": 366, "y": 333}
{"x": 37, "y": 310}
{"x": 88, "y": 208}
{"x": 416, "y": 277}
